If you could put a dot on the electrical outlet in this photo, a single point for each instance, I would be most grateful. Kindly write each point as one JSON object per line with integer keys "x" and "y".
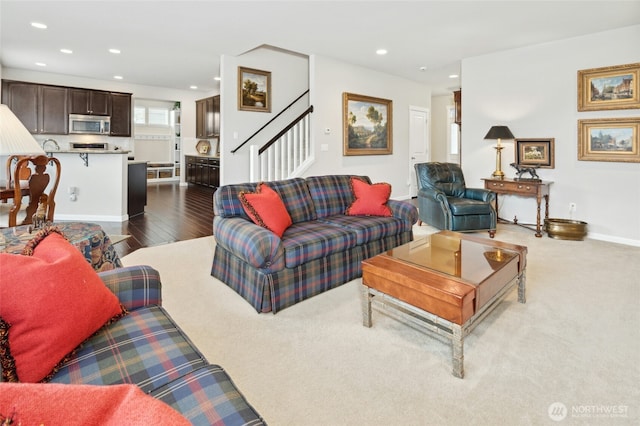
{"x": 572, "y": 207}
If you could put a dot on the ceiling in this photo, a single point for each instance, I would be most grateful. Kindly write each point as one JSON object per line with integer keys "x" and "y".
{"x": 176, "y": 44}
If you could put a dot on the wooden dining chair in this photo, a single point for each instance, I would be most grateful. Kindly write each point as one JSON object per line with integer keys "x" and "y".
{"x": 12, "y": 162}
{"x": 41, "y": 192}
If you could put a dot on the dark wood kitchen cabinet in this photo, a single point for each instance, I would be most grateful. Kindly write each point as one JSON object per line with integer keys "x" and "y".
{"x": 208, "y": 117}
{"x": 85, "y": 101}
{"x": 120, "y": 114}
{"x": 203, "y": 171}
{"x": 200, "y": 118}
{"x": 41, "y": 108}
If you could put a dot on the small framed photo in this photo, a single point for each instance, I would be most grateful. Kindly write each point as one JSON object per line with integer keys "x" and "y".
{"x": 535, "y": 153}
{"x": 254, "y": 90}
{"x": 367, "y": 125}
{"x": 609, "y": 139}
{"x": 607, "y": 88}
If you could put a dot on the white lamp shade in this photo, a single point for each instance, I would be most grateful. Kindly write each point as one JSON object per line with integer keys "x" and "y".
{"x": 14, "y": 137}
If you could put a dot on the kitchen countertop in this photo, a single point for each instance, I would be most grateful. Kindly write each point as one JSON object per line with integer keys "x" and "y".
{"x": 90, "y": 151}
{"x": 203, "y": 156}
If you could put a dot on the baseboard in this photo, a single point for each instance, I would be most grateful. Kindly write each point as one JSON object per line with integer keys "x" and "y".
{"x": 609, "y": 238}
{"x": 90, "y": 218}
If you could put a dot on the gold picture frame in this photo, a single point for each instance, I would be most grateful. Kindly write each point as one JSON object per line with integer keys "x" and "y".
{"x": 609, "y": 88}
{"x": 609, "y": 139}
{"x": 254, "y": 90}
{"x": 367, "y": 125}
{"x": 535, "y": 152}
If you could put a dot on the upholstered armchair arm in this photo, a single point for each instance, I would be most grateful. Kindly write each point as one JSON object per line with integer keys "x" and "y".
{"x": 403, "y": 210}
{"x": 254, "y": 244}
{"x": 434, "y": 207}
{"x": 433, "y": 194}
{"x": 480, "y": 194}
{"x": 135, "y": 286}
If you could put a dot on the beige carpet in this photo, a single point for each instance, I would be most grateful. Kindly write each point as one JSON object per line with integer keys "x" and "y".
{"x": 576, "y": 342}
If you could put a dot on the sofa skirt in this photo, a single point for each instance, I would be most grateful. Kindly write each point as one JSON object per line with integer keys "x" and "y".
{"x": 274, "y": 291}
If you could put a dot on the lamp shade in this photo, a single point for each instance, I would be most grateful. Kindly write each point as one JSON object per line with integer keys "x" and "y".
{"x": 499, "y": 132}
{"x": 14, "y": 137}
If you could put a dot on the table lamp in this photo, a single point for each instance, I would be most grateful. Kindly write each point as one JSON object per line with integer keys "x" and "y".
{"x": 499, "y": 133}
{"x": 15, "y": 139}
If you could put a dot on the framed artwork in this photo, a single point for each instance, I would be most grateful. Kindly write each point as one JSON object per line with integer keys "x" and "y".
{"x": 254, "y": 90}
{"x": 535, "y": 153}
{"x": 367, "y": 125}
{"x": 609, "y": 88}
{"x": 609, "y": 139}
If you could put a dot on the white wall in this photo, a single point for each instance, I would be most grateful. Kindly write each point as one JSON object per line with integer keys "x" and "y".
{"x": 439, "y": 127}
{"x": 289, "y": 79}
{"x": 533, "y": 90}
{"x": 329, "y": 79}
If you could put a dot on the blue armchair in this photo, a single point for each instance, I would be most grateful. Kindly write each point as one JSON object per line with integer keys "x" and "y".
{"x": 445, "y": 202}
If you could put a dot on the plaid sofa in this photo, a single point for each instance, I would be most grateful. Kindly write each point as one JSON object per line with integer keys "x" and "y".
{"x": 323, "y": 248}
{"x": 148, "y": 349}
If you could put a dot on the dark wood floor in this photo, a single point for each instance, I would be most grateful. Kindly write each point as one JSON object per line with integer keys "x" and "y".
{"x": 173, "y": 213}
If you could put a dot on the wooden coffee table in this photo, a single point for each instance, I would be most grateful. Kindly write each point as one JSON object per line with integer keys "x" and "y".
{"x": 445, "y": 283}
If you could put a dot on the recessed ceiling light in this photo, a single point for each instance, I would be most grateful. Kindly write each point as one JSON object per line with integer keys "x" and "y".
{"x": 67, "y": 51}
{"x": 116, "y": 51}
{"x": 454, "y": 76}
{"x": 217, "y": 78}
{"x": 381, "y": 51}
{"x": 117, "y": 77}
{"x": 423, "y": 68}
{"x": 39, "y": 25}
{"x": 193, "y": 87}
{"x": 41, "y": 64}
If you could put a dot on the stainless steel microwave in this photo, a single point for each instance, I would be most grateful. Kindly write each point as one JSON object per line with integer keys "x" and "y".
{"x": 89, "y": 124}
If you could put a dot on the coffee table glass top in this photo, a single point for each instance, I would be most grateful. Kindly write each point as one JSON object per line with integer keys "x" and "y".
{"x": 455, "y": 256}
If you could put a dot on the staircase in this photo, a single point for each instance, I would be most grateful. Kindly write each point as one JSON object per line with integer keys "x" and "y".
{"x": 287, "y": 154}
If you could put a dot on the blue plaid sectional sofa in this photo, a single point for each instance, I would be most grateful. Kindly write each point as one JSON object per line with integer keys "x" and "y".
{"x": 148, "y": 349}
{"x": 323, "y": 248}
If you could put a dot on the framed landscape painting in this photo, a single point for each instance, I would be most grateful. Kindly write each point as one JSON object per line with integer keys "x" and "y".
{"x": 609, "y": 88}
{"x": 367, "y": 125}
{"x": 535, "y": 152}
{"x": 254, "y": 90}
{"x": 609, "y": 139}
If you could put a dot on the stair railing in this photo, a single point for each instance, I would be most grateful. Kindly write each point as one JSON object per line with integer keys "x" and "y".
{"x": 233, "y": 151}
{"x": 287, "y": 154}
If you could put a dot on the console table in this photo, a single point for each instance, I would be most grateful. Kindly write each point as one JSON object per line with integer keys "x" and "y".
{"x": 522, "y": 188}
{"x": 89, "y": 238}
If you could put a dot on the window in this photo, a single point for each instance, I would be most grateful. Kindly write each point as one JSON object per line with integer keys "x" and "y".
{"x": 454, "y": 143}
{"x": 453, "y": 136}
{"x": 148, "y": 115}
{"x": 158, "y": 116}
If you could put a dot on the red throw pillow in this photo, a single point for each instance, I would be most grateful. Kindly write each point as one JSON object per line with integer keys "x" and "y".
{"x": 59, "y": 404}
{"x": 265, "y": 208}
{"x": 370, "y": 200}
{"x": 50, "y": 302}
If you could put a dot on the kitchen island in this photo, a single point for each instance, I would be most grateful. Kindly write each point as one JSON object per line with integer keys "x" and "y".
{"x": 93, "y": 185}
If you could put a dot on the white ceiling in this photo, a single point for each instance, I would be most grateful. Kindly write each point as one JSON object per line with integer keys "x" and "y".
{"x": 178, "y": 43}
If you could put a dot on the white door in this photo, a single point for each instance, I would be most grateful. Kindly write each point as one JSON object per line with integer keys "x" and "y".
{"x": 419, "y": 143}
